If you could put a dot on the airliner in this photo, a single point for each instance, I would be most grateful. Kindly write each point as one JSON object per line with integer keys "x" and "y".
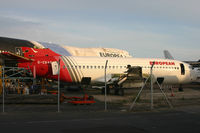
{"x": 10, "y": 44}
{"x": 195, "y": 65}
{"x": 43, "y": 63}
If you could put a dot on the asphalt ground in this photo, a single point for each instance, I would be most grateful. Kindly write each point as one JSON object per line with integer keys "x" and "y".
{"x": 184, "y": 117}
{"x": 184, "y": 120}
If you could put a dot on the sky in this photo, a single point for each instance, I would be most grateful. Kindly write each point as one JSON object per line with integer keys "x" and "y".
{"x": 144, "y": 28}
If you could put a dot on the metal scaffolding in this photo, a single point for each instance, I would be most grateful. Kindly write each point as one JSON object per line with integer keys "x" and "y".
{"x": 13, "y": 73}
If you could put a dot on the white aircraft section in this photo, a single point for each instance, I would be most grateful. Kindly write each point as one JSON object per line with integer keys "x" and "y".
{"x": 77, "y": 51}
{"x": 102, "y": 52}
{"x": 173, "y": 72}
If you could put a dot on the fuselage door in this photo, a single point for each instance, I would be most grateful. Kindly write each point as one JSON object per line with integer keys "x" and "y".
{"x": 182, "y": 69}
{"x": 54, "y": 66}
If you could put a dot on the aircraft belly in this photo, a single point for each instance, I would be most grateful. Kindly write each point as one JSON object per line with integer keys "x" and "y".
{"x": 170, "y": 77}
{"x": 173, "y": 79}
{"x": 99, "y": 75}
{"x": 95, "y": 74}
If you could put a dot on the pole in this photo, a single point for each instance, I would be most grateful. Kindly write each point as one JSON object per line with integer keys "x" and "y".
{"x": 3, "y": 88}
{"x": 165, "y": 96}
{"x": 105, "y": 98}
{"x": 34, "y": 75}
{"x": 59, "y": 85}
{"x": 152, "y": 86}
{"x": 133, "y": 104}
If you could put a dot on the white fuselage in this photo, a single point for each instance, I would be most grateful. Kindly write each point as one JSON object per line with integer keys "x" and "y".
{"x": 173, "y": 71}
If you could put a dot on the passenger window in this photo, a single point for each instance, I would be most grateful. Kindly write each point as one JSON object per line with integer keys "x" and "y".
{"x": 79, "y": 67}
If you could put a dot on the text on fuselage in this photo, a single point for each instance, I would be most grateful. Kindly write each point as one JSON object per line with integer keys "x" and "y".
{"x": 161, "y": 63}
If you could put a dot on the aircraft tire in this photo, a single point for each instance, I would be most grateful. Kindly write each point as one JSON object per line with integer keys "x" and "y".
{"x": 103, "y": 90}
{"x": 121, "y": 92}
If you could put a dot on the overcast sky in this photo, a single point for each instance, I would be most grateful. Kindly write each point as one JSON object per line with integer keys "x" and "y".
{"x": 142, "y": 27}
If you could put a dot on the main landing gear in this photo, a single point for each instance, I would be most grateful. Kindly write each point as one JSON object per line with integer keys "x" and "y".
{"x": 113, "y": 89}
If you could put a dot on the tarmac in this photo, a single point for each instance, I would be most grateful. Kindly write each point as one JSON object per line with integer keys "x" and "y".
{"x": 184, "y": 120}
{"x": 184, "y": 117}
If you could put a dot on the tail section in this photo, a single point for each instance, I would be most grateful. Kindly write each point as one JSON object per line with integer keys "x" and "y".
{"x": 168, "y": 55}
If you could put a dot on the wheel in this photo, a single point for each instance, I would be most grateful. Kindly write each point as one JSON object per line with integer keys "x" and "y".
{"x": 102, "y": 90}
{"x": 180, "y": 88}
{"x": 91, "y": 98}
{"x": 116, "y": 91}
{"x": 121, "y": 92}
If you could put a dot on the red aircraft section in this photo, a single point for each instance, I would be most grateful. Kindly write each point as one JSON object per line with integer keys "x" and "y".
{"x": 41, "y": 63}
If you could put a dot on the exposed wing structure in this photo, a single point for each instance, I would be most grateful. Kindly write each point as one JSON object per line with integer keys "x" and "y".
{"x": 11, "y": 56}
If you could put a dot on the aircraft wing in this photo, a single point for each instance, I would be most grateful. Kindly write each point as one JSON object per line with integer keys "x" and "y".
{"x": 168, "y": 55}
{"x": 11, "y": 56}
